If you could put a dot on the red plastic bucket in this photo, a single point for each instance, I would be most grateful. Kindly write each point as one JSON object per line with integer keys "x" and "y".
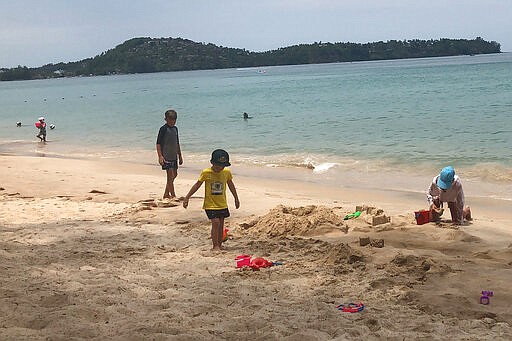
{"x": 243, "y": 260}
{"x": 422, "y": 217}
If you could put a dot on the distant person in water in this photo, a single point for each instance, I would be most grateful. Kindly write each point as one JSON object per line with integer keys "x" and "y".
{"x": 169, "y": 151}
{"x": 42, "y": 129}
{"x": 18, "y": 124}
{"x": 447, "y": 187}
{"x": 246, "y": 116}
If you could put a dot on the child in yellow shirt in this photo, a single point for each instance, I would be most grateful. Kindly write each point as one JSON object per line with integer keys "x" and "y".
{"x": 215, "y": 204}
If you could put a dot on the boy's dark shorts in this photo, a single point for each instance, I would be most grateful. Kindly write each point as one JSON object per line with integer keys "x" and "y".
{"x": 224, "y": 213}
{"x": 170, "y": 165}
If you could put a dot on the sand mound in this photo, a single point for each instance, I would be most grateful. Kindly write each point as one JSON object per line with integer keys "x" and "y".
{"x": 300, "y": 221}
{"x": 341, "y": 253}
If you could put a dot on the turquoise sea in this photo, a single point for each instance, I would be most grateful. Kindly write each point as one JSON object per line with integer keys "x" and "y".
{"x": 382, "y": 124}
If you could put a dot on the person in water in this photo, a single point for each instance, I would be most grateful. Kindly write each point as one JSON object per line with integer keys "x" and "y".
{"x": 246, "y": 116}
{"x": 42, "y": 129}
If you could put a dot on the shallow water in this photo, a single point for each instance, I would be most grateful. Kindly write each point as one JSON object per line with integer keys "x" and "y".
{"x": 383, "y": 124}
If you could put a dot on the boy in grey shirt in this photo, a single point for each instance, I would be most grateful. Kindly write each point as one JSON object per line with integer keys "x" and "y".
{"x": 169, "y": 151}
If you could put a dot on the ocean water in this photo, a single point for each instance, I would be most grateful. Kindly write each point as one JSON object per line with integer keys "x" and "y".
{"x": 381, "y": 124}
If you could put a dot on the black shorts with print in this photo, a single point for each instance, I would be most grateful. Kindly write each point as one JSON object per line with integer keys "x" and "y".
{"x": 224, "y": 213}
{"x": 170, "y": 164}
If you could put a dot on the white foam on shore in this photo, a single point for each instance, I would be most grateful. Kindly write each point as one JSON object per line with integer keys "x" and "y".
{"x": 485, "y": 180}
{"x": 324, "y": 167}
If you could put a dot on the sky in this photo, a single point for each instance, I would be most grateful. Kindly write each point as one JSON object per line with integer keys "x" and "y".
{"x": 37, "y": 32}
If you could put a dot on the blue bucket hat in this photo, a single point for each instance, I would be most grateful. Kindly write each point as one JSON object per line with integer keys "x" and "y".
{"x": 445, "y": 179}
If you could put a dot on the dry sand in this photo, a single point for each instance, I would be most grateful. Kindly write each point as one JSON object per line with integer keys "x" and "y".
{"x": 86, "y": 253}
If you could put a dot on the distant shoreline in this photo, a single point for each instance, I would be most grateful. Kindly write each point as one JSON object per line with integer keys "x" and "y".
{"x": 150, "y": 55}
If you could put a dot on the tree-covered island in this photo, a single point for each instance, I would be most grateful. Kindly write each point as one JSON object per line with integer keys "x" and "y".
{"x": 144, "y": 55}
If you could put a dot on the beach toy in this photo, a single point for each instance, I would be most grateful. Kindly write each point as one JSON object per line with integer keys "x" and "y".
{"x": 255, "y": 263}
{"x": 352, "y": 215}
{"x": 258, "y": 263}
{"x": 422, "y": 217}
{"x": 486, "y": 297}
{"x": 351, "y": 307}
{"x": 243, "y": 260}
{"x": 225, "y": 234}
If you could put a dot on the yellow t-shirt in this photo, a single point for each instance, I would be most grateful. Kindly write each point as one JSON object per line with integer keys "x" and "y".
{"x": 215, "y": 188}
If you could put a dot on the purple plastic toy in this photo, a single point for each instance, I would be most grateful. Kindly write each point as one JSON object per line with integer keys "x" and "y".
{"x": 486, "y": 297}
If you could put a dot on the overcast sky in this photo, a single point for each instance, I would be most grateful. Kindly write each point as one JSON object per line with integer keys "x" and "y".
{"x": 38, "y": 32}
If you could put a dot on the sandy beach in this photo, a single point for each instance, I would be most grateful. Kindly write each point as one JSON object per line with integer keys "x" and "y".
{"x": 88, "y": 251}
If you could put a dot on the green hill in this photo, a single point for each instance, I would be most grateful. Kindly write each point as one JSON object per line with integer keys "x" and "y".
{"x": 144, "y": 55}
